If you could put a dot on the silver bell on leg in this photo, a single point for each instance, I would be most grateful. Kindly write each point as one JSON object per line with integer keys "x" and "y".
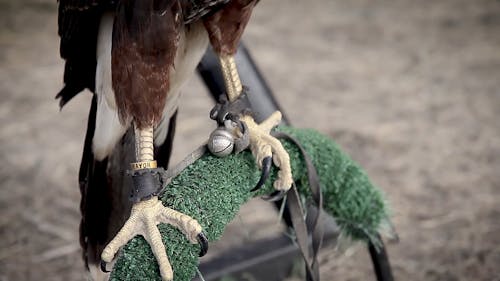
{"x": 221, "y": 142}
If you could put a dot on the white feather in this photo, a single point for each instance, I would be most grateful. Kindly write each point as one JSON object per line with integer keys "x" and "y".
{"x": 108, "y": 130}
{"x": 192, "y": 45}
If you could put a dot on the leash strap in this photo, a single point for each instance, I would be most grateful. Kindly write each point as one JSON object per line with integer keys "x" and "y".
{"x": 170, "y": 174}
{"x": 301, "y": 233}
{"x": 317, "y": 231}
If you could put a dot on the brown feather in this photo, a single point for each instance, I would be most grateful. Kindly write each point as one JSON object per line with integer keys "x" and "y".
{"x": 145, "y": 39}
{"x": 226, "y": 25}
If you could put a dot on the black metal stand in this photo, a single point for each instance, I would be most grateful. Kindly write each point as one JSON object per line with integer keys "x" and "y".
{"x": 380, "y": 261}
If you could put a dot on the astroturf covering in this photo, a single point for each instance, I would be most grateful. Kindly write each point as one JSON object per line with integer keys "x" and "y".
{"x": 212, "y": 190}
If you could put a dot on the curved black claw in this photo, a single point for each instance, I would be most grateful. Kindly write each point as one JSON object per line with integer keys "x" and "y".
{"x": 266, "y": 168}
{"x": 203, "y": 241}
{"x": 103, "y": 267}
{"x": 275, "y": 196}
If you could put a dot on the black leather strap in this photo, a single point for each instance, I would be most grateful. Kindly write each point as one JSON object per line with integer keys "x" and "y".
{"x": 147, "y": 183}
{"x": 301, "y": 233}
{"x": 317, "y": 233}
{"x": 225, "y": 110}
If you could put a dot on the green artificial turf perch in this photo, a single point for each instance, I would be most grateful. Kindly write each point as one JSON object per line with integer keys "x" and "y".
{"x": 212, "y": 190}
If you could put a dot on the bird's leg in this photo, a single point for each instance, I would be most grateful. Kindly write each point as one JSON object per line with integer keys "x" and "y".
{"x": 231, "y": 77}
{"x": 263, "y": 146}
{"x": 148, "y": 211}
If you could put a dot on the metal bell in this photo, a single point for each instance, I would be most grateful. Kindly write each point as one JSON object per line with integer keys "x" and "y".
{"x": 221, "y": 142}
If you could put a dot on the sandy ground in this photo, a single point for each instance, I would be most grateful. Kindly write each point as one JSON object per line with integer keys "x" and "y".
{"x": 411, "y": 89}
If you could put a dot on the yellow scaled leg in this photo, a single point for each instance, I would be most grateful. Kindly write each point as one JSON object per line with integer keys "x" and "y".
{"x": 147, "y": 214}
{"x": 262, "y": 144}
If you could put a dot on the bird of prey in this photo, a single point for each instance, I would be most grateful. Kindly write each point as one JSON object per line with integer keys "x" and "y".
{"x": 135, "y": 56}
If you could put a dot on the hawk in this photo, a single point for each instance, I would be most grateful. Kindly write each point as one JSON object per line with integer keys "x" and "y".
{"x": 135, "y": 57}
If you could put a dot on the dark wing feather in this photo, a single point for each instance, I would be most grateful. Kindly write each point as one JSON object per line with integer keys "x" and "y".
{"x": 163, "y": 152}
{"x": 95, "y": 204}
{"x": 195, "y": 9}
{"x": 78, "y": 23}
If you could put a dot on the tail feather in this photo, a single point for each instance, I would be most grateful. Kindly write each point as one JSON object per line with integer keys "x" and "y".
{"x": 163, "y": 151}
{"x": 94, "y": 204}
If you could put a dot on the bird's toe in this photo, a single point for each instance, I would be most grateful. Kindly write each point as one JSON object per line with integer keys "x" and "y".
{"x": 266, "y": 168}
{"x": 203, "y": 241}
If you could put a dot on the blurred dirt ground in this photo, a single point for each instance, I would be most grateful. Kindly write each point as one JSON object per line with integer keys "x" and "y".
{"x": 410, "y": 89}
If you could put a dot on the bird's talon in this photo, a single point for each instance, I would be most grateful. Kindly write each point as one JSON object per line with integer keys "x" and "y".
{"x": 203, "y": 241}
{"x": 103, "y": 267}
{"x": 266, "y": 168}
{"x": 275, "y": 196}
